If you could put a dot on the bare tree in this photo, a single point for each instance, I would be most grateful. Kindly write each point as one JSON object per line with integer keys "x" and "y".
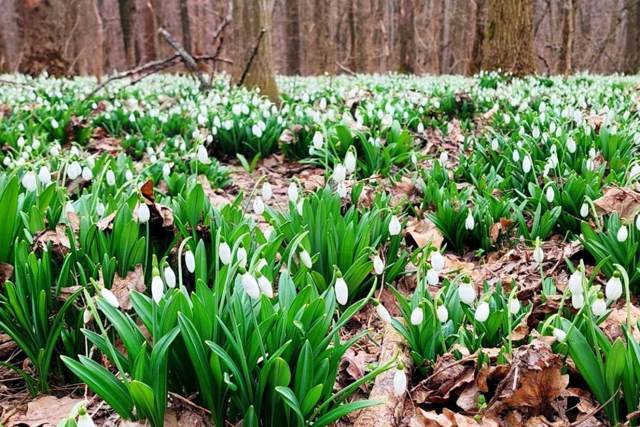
{"x": 293, "y": 41}
{"x": 127, "y": 11}
{"x": 185, "y": 25}
{"x": 568, "y": 30}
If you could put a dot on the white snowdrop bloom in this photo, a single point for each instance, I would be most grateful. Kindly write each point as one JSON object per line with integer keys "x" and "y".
{"x": 109, "y": 297}
{"x": 44, "y": 176}
{"x": 74, "y": 170}
{"x": 100, "y": 208}
{"x": 442, "y": 313}
{"x": 638, "y": 222}
{"x": 132, "y": 117}
{"x": 265, "y": 286}
{"x": 318, "y": 140}
{"x": 394, "y": 226}
{"x": 613, "y": 288}
{"x": 341, "y": 290}
{"x": 241, "y": 256}
{"x": 350, "y": 162}
{"x": 86, "y": 316}
{"x": 190, "y": 261}
{"x": 341, "y": 190}
{"x": 437, "y": 261}
{"x": 20, "y": 141}
{"x": 538, "y": 254}
{"x": 54, "y": 151}
{"x": 470, "y": 222}
{"x": 236, "y": 109}
{"x": 535, "y": 132}
{"x": 526, "y": 164}
{"x": 383, "y": 313}
{"x": 467, "y": 293}
{"x": 224, "y": 253}
{"x": 157, "y": 288}
{"x": 433, "y": 277}
{"x": 495, "y": 145}
{"x": 143, "y": 213}
{"x": 514, "y": 306}
{"x": 599, "y": 307}
{"x": 256, "y": 130}
{"x": 267, "y": 191}
{"x": 550, "y": 194}
{"x": 559, "y": 334}
{"x": 634, "y": 173}
{"x": 305, "y": 258}
{"x": 623, "y": 233}
{"x": 30, "y": 181}
{"x": 378, "y": 265}
{"x": 54, "y": 124}
{"x": 258, "y": 206}
{"x": 577, "y": 301}
{"x": 444, "y": 157}
{"x": 584, "y": 210}
{"x": 87, "y": 174}
{"x": 591, "y": 165}
{"x": 417, "y": 316}
{"x": 515, "y": 156}
{"x": 420, "y": 128}
{"x": 169, "y": 277}
{"x": 166, "y": 170}
{"x": 575, "y": 282}
{"x": 202, "y": 155}
{"x": 482, "y": 312}
{"x": 506, "y": 118}
{"x": 262, "y": 263}
{"x": 250, "y": 285}
{"x": 111, "y": 178}
{"x": 399, "y": 383}
{"x": 84, "y": 420}
{"x": 571, "y": 145}
{"x": 7, "y": 161}
{"x": 227, "y": 125}
{"x": 339, "y": 173}
{"x": 292, "y": 192}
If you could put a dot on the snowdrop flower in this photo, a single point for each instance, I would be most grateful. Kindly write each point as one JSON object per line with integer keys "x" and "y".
{"x": 437, "y": 261}
{"x": 433, "y": 277}
{"x": 378, "y": 265}
{"x": 420, "y": 127}
{"x": 30, "y": 181}
{"x": 292, "y": 192}
{"x": 86, "y": 316}
{"x": 442, "y": 313}
{"x": 571, "y": 145}
{"x": 599, "y": 307}
{"x": 54, "y": 124}
{"x": 394, "y": 226}
{"x": 470, "y": 222}
{"x": 444, "y": 157}
{"x": 341, "y": 190}
{"x": 100, "y": 208}
{"x": 250, "y": 285}
{"x": 256, "y": 130}
{"x": 341, "y": 290}
{"x": 577, "y": 301}
{"x": 305, "y": 258}
{"x": 622, "y": 234}
{"x": 538, "y": 254}
{"x": 265, "y": 286}
{"x": 111, "y": 178}
{"x": 613, "y": 288}
{"x": 157, "y": 289}
{"x": 514, "y": 306}
{"x": 339, "y": 173}
{"x": 318, "y": 140}
{"x": 87, "y": 175}
{"x": 495, "y": 145}
{"x": 132, "y": 117}
{"x": 109, "y": 297}
{"x": 224, "y": 253}
{"x": 44, "y": 175}
{"x": 584, "y": 210}
{"x": 143, "y": 213}
{"x": 383, "y": 313}
{"x": 190, "y": 261}
{"x": 202, "y": 155}
{"x": 166, "y": 170}
{"x": 526, "y": 164}
{"x": 267, "y": 191}
{"x": 482, "y": 312}
{"x": 169, "y": 277}
{"x": 516, "y": 156}
{"x": 74, "y": 170}
{"x": 467, "y": 293}
{"x": 241, "y": 255}
{"x": 575, "y": 282}
{"x": 258, "y": 206}
{"x": 559, "y": 334}
{"x": 399, "y": 382}
{"x": 550, "y": 194}
{"x": 84, "y": 420}
{"x": 350, "y": 162}
{"x": 417, "y": 316}
{"x": 128, "y": 175}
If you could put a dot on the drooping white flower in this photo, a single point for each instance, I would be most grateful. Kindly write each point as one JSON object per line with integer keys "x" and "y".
{"x": 202, "y": 155}
{"x": 339, "y": 173}
{"x": 109, "y": 297}
{"x": 515, "y": 156}
{"x": 292, "y": 192}
{"x": 383, "y": 313}
{"x": 526, "y": 164}
{"x": 143, "y": 213}
{"x": 584, "y": 210}
{"x": 469, "y": 222}
{"x": 571, "y": 145}
{"x": 341, "y": 290}
{"x": 74, "y": 170}
{"x": 190, "y": 261}
{"x": 550, "y": 194}
{"x": 250, "y": 285}
{"x": 87, "y": 174}
{"x": 84, "y": 420}
{"x": 575, "y": 282}
{"x": 341, "y": 190}
{"x": 256, "y": 130}
{"x": 169, "y": 277}
{"x": 399, "y": 382}
{"x": 265, "y": 286}
{"x": 111, "y": 178}
{"x": 224, "y": 252}
{"x": 577, "y": 301}
{"x": 417, "y": 316}
{"x": 437, "y": 261}
{"x": 444, "y": 157}
{"x": 30, "y": 181}
{"x": 241, "y": 255}
{"x": 350, "y": 162}
{"x": 442, "y": 313}
{"x": 482, "y": 312}
{"x": 559, "y": 334}
{"x": 258, "y": 206}
{"x": 100, "y": 208}
{"x": 166, "y": 170}
{"x": 467, "y": 293}
{"x": 394, "y": 226}
{"x": 613, "y": 288}
{"x": 44, "y": 176}
{"x": 538, "y": 254}
{"x": 622, "y": 234}
{"x": 305, "y": 258}
{"x": 54, "y": 124}
{"x": 514, "y": 306}
{"x": 157, "y": 288}
{"x": 599, "y": 307}
{"x": 433, "y": 277}
{"x": 420, "y": 127}
{"x": 318, "y": 140}
{"x": 267, "y": 191}
{"x": 378, "y": 265}
{"x": 495, "y": 144}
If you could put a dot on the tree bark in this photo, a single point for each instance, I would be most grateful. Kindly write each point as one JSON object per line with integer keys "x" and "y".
{"x": 293, "y": 63}
{"x": 568, "y": 31}
{"x": 324, "y": 46}
{"x": 127, "y": 11}
{"x": 250, "y": 18}
{"x": 407, "y": 37}
{"x": 508, "y": 43}
{"x": 632, "y": 37}
{"x": 186, "y": 27}
{"x": 99, "y": 46}
{"x": 478, "y": 39}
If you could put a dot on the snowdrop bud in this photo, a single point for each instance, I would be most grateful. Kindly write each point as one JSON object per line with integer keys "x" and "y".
{"x": 444, "y": 157}
{"x": 550, "y": 194}
{"x": 613, "y": 289}
{"x": 383, "y": 313}
{"x": 538, "y": 254}
{"x": 265, "y": 286}
{"x": 350, "y": 162}
{"x": 166, "y": 170}
{"x": 482, "y": 312}
{"x": 54, "y": 124}
{"x": 258, "y": 206}
{"x": 202, "y": 155}
{"x": 577, "y": 301}
{"x": 470, "y": 222}
{"x": 267, "y": 191}
{"x": 87, "y": 175}
{"x": 495, "y": 144}
{"x": 74, "y": 170}
{"x": 341, "y": 290}
{"x": 623, "y": 233}
{"x": 86, "y": 316}
{"x": 292, "y": 192}
{"x": 420, "y": 127}
{"x": 442, "y": 313}
{"x": 526, "y": 164}
{"x": 599, "y": 307}
{"x": 559, "y": 334}
{"x": 467, "y": 293}
{"x": 394, "y": 226}
{"x": 305, "y": 258}
{"x": 339, "y": 173}
{"x": 514, "y": 306}
{"x": 575, "y": 282}
{"x": 109, "y": 297}
{"x": 250, "y": 285}
{"x": 571, "y": 145}
{"x": 100, "y": 208}
{"x": 128, "y": 175}
{"x": 29, "y": 181}
{"x": 378, "y": 265}
{"x": 132, "y": 117}
{"x": 224, "y": 252}
{"x": 111, "y": 178}
{"x": 190, "y": 261}
{"x": 157, "y": 289}
{"x": 318, "y": 140}
{"x": 242, "y": 257}
{"x": 169, "y": 277}
{"x": 437, "y": 261}
{"x": 399, "y": 383}
{"x": 341, "y": 190}
{"x": 433, "y": 277}
{"x": 44, "y": 175}
{"x": 584, "y": 210}
{"x": 143, "y": 213}
{"x": 417, "y": 316}
{"x": 516, "y": 156}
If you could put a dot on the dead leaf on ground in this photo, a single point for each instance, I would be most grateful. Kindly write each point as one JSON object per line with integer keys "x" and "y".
{"x": 121, "y": 287}
{"x": 612, "y": 325}
{"x": 624, "y": 201}
{"x": 450, "y": 376}
{"x": 423, "y": 232}
{"x": 354, "y": 363}
{"x": 6, "y": 272}
{"x": 44, "y": 411}
{"x": 56, "y": 240}
{"x": 448, "y": 418}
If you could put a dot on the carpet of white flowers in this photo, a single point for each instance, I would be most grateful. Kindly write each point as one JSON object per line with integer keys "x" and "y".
{"x": 426, "y": 251}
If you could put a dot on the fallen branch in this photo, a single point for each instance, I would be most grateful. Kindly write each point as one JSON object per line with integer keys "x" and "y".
{"x": 188, "y": 60}
{"x": 345, "y": 69}
{"x": 252, "y": 57}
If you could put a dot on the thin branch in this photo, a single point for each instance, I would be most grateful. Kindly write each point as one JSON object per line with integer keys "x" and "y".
{"x": 187, "y": 59}
{"x": 252, "y": 57}
{"x": 345, "y": 69}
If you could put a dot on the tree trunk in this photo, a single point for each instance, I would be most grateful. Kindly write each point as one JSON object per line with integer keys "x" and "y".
{"x": 324, "y": 45}
{"x": 186, "y": 27}
{"x": 478, "y": 38}
{"x": 127, "y": 11}
{"x": 632, "y": 37}
{"x": 250, "y": 18}
{"x": 566, "y": 47}
{"x": 99, "y": 42}
{"x": 508, "y": 43}
{"x": 407, "y": 37}
{"x": 292, "y": 26}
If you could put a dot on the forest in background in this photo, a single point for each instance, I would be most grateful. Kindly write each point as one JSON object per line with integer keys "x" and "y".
{"x": 313, "y": 36}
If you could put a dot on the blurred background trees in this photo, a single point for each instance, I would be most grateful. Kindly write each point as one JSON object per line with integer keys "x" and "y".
{"x": 332, "y": 36}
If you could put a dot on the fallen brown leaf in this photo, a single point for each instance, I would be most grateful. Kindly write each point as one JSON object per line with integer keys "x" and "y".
{"x": 6, "y": 272}
{"x": 121, "y": 287}
{"x": 423, "y": 232}
{"x": 624, "y": 201}
{"x": 44, "y": 411}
